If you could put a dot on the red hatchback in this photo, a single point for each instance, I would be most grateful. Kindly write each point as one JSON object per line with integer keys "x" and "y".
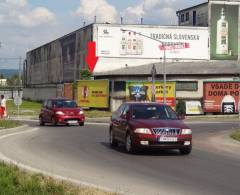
{"x": 61, "y": 111}
{"x": 149, "y": 125}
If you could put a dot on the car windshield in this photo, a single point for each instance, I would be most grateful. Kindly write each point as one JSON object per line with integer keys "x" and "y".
{"x": 161, "y": 112}
{"x": 64, "y": 104}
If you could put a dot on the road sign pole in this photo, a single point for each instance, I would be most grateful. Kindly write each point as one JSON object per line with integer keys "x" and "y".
{"x": 164, "y": 75}
{"x": 153, "y": 72}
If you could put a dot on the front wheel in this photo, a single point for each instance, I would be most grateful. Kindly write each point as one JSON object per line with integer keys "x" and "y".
{"x": 129, "y": 145}
{"x": 185, "y": 151}
{"x": 113, "y": 142}
{"x": 54, "y": 122}
{"x": 81, "y": 124}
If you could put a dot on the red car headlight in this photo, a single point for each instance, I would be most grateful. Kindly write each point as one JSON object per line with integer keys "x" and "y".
{"x": 59, "y": 113}
{"x": 143, "y": 131}
{"x": 81, "y": 112}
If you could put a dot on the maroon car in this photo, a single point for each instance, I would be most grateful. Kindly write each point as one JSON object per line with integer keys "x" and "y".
{"x": 61, "y": 111}
{"x": 149, "y": 125}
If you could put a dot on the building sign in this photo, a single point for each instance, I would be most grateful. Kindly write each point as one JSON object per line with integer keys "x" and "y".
{"x": 142, "y": 91}
{"x": 224, "y": 30}
{"x": 193, "y": 107}
{"x": 181, "y": 42}
{"x": 221, "y": 97}
{"x": 68, "y": 91}
{"x": 93, "y": 93}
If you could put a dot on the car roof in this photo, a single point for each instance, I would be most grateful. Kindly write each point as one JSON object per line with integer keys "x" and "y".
{"x": 144, "y": 103}
{"x": 55, "y": 99}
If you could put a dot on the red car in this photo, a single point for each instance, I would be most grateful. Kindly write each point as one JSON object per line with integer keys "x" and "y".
{"x": 149, "y": 125}
{"x": 61, "y": 111}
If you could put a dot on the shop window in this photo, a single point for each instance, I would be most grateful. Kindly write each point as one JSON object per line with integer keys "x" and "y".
{"x": 186, "y": 86}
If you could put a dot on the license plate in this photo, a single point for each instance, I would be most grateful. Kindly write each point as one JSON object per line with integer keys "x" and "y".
{"x": 72, "y": 122}
{"x": 168, "y": 139}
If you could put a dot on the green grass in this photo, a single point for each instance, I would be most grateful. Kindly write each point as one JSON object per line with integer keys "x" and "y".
{"x": 27, "y": 108}
{"x": 6, "y": 124}
{"x": 236, "y": 135}
{"x": 97, "y": 113}
{"x": 14, "y": 181}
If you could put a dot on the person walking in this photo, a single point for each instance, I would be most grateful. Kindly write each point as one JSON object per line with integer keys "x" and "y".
{"x": 3, "y": 107}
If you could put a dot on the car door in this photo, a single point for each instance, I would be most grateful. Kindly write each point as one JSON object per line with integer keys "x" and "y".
{"x": 123, "y": 122}
{"x": 116, "y": 122}
{"x": 49, "y": 111}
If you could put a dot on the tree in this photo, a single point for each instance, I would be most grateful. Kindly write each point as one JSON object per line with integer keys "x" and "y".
{"x": 2, "y": 76}
{"x": 14, "y": 80}
{"x": 85, "y": 75}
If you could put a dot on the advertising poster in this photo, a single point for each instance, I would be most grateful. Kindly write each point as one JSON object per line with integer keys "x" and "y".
{"x": 221, "y": 97}
{"x": 132, "y": 42}
{"x": 193, "y": 107}
{"x": 224, "y": 30}
{"x": 142, "y": 91}
{"x": 93, "y": 93}
{"x": 68, "y": 91}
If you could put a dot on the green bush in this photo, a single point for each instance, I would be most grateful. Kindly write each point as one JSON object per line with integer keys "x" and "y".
{"x": 181, "y": 107}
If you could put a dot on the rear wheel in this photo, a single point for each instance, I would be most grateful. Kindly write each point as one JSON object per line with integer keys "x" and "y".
{"x": 113, "y": 142}
{"x": 129, "y": 145}
{"x": 41, "y": 123}
{"x": 185, "y": 151}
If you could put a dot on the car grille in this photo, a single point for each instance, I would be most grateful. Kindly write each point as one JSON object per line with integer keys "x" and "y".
{"x": 166, "y": 131}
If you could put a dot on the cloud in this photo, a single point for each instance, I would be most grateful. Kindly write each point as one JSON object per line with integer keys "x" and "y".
{"x": 99, "y": 8}
{"x": 154, "y": 11}
{"x": 19, "y": 13}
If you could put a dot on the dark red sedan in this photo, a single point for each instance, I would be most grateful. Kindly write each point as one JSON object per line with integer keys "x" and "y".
{"x": 61, "y": 111}
{"x": 149, "y": 125}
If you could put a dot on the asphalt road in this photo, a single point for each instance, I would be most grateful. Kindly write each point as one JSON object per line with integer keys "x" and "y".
{"x": 83, "y": 153}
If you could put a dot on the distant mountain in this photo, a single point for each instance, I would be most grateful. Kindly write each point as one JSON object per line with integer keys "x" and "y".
{"x": 8, "y": 72}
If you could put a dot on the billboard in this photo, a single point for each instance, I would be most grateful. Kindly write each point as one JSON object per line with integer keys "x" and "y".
{"x": 221, "y": 97}
{"x": 142, "y": 91}
{"x": 68, "y": 91}
{"x": 93, "y": 93}
{"x": 193, "y": 107}
{"x": 224, "y": 30}
{"x": 140, "y": 42}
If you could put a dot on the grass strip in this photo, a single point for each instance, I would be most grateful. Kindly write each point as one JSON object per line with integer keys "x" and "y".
{"x": 236, "y": 135}
{"x": 15, "y": 181}
{"x": 6, "y": 124}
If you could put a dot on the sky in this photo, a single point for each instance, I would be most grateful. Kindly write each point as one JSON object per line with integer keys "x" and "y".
{"x": 27, "y": 24}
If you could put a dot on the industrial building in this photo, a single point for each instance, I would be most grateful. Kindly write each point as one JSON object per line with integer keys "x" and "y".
{"x": 128, "y": 52}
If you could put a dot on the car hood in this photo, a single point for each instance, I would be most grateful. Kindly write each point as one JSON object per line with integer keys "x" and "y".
{"x": 158, "y": 124}
{"x": 67, "y": 110}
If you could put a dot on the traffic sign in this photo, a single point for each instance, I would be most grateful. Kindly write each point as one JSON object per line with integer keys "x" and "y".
{"x": 17, "y": 100}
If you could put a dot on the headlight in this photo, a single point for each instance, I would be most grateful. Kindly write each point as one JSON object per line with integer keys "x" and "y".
{"x": 186, "y": 131}
{"x": 59, "y": 113}
{"x": 143, "y": 131}
{"x": 81, "y": 112}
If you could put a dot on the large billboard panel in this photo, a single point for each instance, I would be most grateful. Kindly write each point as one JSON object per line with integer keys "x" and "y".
{"x": 221, "y": 97}
{"x": 224, "y": 30}
{"x": 142, "y": 91}
{"x": 93, "y": 93}
{"x": 146, "y": 42}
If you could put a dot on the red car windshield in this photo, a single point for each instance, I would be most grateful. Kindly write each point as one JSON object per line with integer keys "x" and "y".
{"x": 153, "y": 112}
{"x": 64, "y": 104}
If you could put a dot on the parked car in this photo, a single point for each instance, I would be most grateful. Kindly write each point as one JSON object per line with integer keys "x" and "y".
{"x": 149, "y": 125}
{"x": 61, "y": 111}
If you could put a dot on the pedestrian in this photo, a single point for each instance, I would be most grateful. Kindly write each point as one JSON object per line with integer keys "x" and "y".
{"x": 3, "y": 107}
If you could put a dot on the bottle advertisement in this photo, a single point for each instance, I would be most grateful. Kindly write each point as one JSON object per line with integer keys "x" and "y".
{"x": 224, "y": 30}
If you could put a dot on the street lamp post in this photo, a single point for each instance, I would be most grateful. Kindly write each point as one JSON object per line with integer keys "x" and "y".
{"x": 164, "y": 60}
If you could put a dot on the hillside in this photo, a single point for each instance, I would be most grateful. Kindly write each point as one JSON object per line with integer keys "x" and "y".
{"x": 8, "y": 72}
